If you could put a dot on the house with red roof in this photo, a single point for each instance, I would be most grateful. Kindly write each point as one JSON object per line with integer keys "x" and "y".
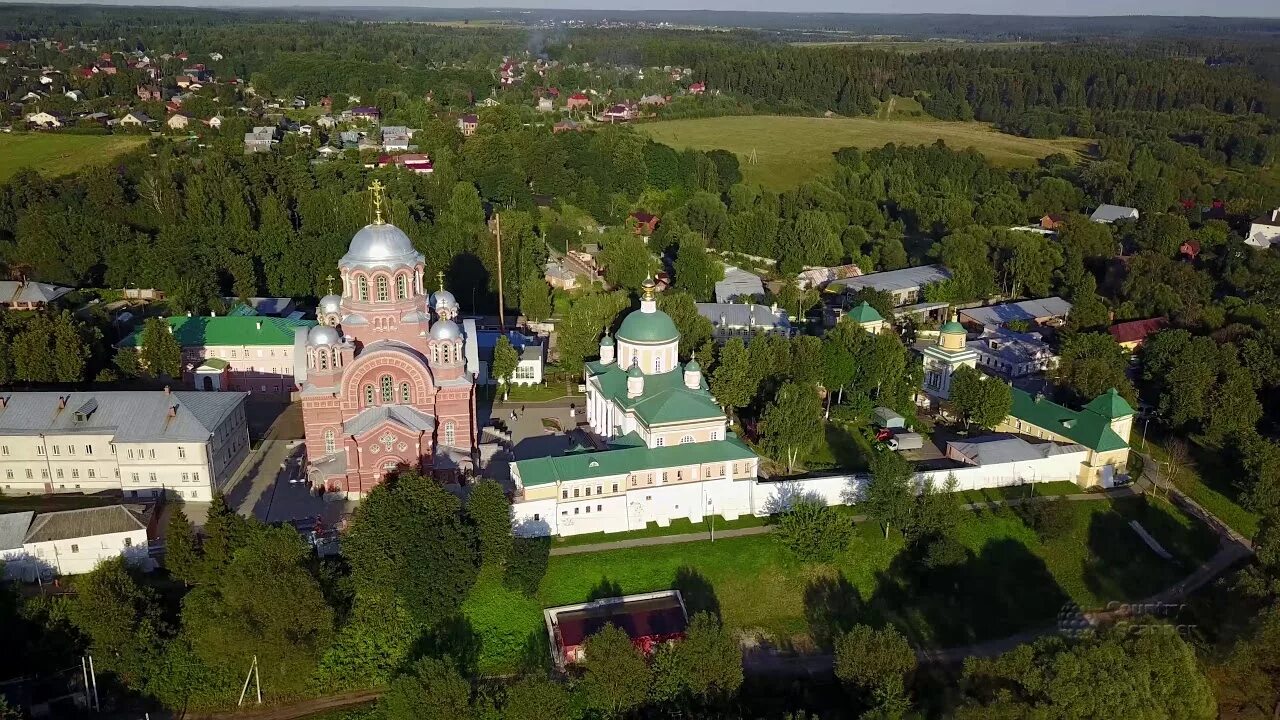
{"x": 578, "y": 100}
{"x": 1189, "y": 249}
{"x": 697, "y": 88}
{"x": 1130, "y": 335}
{"x": 645, "y": 223}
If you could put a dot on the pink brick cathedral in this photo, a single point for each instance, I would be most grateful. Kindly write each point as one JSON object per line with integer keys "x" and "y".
{"x": 390, "y": 375}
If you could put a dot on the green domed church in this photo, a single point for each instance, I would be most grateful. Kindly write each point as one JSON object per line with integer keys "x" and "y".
{"x": 669, "y": 453}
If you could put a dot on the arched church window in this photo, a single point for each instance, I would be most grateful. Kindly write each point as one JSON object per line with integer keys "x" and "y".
{"x": 406, "y": 395}
{"x": 657, "y": 364}
{"x": 382, "y": 289}
{"x": 435, "y": 354}
{"x": 330, "y": 441}
{"x": 362, "y": 286}
{"x": 388, "y": 391}
{"x": 324, "y": 359}
{"x": 402, "y": 287}
{"x": 368, "y": 395}
{"x": 449, "y": 433}
{"x": 686, "y": 439}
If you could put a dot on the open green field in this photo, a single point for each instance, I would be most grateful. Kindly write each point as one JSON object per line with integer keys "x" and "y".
{"x": 59, "y": 154}
{"x": 789, "y": 150}
{"x": 1008, "y": 581}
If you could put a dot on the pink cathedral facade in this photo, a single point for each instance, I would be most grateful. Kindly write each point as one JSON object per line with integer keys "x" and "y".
{"x": 387, "y": 380}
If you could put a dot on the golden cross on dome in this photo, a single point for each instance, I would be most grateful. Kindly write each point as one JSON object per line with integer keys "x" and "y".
{"x": 376, "y": 190}
{"x": 329, "y": 280}
{"x": 440, "y": 277}
{"x": 647, "y": 288}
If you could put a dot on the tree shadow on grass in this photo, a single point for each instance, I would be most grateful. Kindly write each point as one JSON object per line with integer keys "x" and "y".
{"x": 606, "y": 588}
{"x": 953, "y": 596}
{"x": 698, "y": 593}
{"x": 455, "y": 638}
{"x": 535, "y": 656}
{"x": 832, "y": 605}
{"x": 1120, "y": 566}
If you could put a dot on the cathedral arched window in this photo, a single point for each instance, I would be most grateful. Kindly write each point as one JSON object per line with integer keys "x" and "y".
{"x": 402, "y": 287}
{"x": 368, "y": 395}
{"x": 435, "y": 353}
{"x": 388, "y": 389}
{"x": 406, "y": 395}
{"x": 657, "y": 364}
{"x": 362, "y": 286}
{"x": 330, "y": 441}
{"x": 686, "y": 439}
{"x": 324, "y": 358}
{"x": 383, "y": 290}
{"x": 449, "y": 434}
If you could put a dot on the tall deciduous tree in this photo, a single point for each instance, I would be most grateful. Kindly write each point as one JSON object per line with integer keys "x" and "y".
{"x": 536, "y": 698}
{"x": 535, "y": 298}
{"x": 490, "y": 513}
{"x": 122, "y": 619}
{"x": 875, "y": 663}
{"x": 980, "y": 400}
{"x": 697, "y": 272}
{"x": 615, "y": 679}
{"x": 890, "y": 492}
{"x": 789, "y": 422}
{"x": 813, "y": 531}
{"x": 587, "y": 319}
{"x": 433, "y": 689}
{"x": 734, "y": 381}
{"x": 695, "y": 330}
{"x": 505, "y": 360}
{"x": 181, "y": 556}
{"x": 408, "y": 538}
{"x": 1091, "y": 364}
{"x": 159, "y": 350}
{"x": 706, "y": 664}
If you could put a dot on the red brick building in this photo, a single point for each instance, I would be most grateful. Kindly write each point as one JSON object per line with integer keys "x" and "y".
{"x": 389, "y": 379}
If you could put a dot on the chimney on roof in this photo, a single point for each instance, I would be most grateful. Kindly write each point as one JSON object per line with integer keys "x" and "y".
{"x": 1275, "y": 215}
{"x": 62, "y": 402}
{"x": 259, "y": 324}
{"x": 213, "y": 313}
{"x": 173, "y": 411}
{"x": 188, "y": 313}
{"x": 166, "y": 389}
{"x": 4, "y": 402}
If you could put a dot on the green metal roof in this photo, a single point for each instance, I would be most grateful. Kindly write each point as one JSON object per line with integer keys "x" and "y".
{"x": 1110, "y": 405}
{"x": 953, "y": 327}
{"x": 665, "y": 398}
{"x": 624, "y": 460}
{"x": 1087, "y": 427}
{"x": 242, "y": 310}
{"x": 607, "y": 341}
{"x": 202, "y": 331}
{"x": 215, "y": 364}
{"x": 651, "y": 327}
{"x": 864, "y": 313}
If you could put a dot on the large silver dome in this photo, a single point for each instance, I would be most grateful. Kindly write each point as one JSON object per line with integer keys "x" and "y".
{"x": 323, "y": 335}
{"x": 445, "y": 330}
{"x": 330, "y": 303}
{"x": 380, "y": 245}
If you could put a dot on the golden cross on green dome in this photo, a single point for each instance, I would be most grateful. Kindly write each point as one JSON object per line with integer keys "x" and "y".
{"x": 376, "y": 189}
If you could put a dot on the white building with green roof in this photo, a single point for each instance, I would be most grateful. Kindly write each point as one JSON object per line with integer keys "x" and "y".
{"x": 668, "y": 451}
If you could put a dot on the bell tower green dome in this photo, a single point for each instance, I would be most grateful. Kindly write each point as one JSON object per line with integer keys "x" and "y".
{"x": 648, "y": 327}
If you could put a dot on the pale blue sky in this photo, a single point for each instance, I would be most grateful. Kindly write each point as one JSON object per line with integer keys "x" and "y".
{"x": 1225, "y": 8}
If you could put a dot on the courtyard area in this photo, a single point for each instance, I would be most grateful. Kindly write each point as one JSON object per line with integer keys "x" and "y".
{"x": 1008, "y": 580}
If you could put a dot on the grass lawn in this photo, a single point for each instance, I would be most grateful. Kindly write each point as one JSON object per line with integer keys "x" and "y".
{"x": 792, "y": 150}
{"x": 542, "y": 393}
{"x": 1008, "y": 580}
{"x": 843, "y": 446}
{"x": 1204, "y": 480}
{"x": 53, "y": 153}
{"x": 677, "y": 527}
{"x": 1017, "y": 492}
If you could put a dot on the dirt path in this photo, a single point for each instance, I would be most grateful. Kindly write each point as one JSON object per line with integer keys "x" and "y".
{"x": 298, "y": 710}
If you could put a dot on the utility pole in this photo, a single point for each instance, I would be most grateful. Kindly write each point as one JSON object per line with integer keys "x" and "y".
{"x": 257, "y": 681}
{"x": 84, "y": 668}
{"x": 94, "y": 677}
{"x": 497, "y": 230}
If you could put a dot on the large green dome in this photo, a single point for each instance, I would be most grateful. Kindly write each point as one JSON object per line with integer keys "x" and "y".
{"x": 648, "y": 327}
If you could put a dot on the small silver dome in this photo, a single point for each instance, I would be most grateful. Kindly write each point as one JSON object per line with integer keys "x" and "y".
{"x": 443, "y": 299}
{"x": 323, "y": 335}
{"x": 330, "y": 303}
{"x": 445, "y": 330}
{"x": 380, "y": 245}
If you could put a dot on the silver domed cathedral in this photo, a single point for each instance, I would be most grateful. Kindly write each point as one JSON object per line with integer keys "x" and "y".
{"x": 388, "y": 386}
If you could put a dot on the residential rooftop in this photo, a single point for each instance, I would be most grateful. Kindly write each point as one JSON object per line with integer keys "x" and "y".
{"x": 127, "y": 415}
{"x": 228, "y": 330}
{"x": 893, "y": 280}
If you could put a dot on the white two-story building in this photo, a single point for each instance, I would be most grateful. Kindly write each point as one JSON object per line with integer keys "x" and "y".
{"x": 144, "y": 443}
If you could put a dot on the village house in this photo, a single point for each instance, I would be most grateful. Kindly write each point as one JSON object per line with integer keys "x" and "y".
{"x": 560, "y": 278}
{"x": 730, "y": 320}
{"x": 149, "y": 93}
{"x": 364, "y": 113}
{"x": 653, "y": 101}
{"x": 467, "y": 125}
{"x": 254, "y": 353}
{"x": 1132, "y": 334}
{"x": 75, "y": 95}
{"x": 1013, "y": 355}
{"x": 546, "y": 104}
{"x": 530, "y": 351}
{"x": 566, "y": 125}
{"x": 45, "y": 119}
{"x": 645, "y": 224}
{"x": 214, "y": 122}
{"x": 1045, "y": 312}
{"x": 259, "y": 140}
{"x": 135, "y": 119}
{"x": 1052, "y": 222}
{"x": 416, "y": 162}
{"x": 739, "y": 285}
{"x": 697, "y": 88}
{"x": 395, "y": 137}
{"x": 143, "y": 442}
{"x": 906, "y": 286}
{"x": 1264, "y": 231}
{"x": 178, "y": 122}
{"x": 619, "y": 113}
{"x": 29, "y": 295}
{"x": 1111, "y": 213}
{"x": 578, "y": 101}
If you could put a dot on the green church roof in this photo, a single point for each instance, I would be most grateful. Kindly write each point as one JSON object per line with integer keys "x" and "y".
{"x": 624, "y": 460}
{"x": 1110, "y": 405}
{"x": 648, "y": 327}
{"x": 953, "y": 327}
{"x": 1087, "y": 427}
{"x": 665, "y": 398}
{"x": 203, "y": 331}
{"x": 607, "y": 341}
{"x": 864, "y": 313}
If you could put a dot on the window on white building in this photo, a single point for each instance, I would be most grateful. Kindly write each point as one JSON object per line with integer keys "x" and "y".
{"x": 28, "y": 474}
{"x": 576, "y": 492}
{"x": 88, "y": 449}
{"x": 71, "y": 449}
{"x": 128, "y": 542}
{"x": 40, "y": 450}
{"x": 151, "y": 454}
{"x": 615, "y": 487}
{"x": 195, "y": 477}
{"x": 44, "y": 474}
{"x": 92, "y": 473}
{"x": 75, "y": 473}
{"x": 151, "y": 476}
{"x": 402, "y": 287}
{"x": 56, "y": 451}
{"x": 362, "y": 286}
{"x": 75, "y": 548}
{"x": 686, "y": 439}
{"x": 4, "y": 449}
{"x": 659, "y": 441}
{"x": 134, "y": 477}
{"x": 185, "y": 476}
{"x": 8, "y": 474}
{"x": 182, "y": 452}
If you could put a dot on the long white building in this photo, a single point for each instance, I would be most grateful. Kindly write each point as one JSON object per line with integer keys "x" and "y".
{"x": 144, "y": 443}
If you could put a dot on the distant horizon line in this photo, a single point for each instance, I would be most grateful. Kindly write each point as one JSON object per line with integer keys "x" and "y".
{"x": 569, "y": 6}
